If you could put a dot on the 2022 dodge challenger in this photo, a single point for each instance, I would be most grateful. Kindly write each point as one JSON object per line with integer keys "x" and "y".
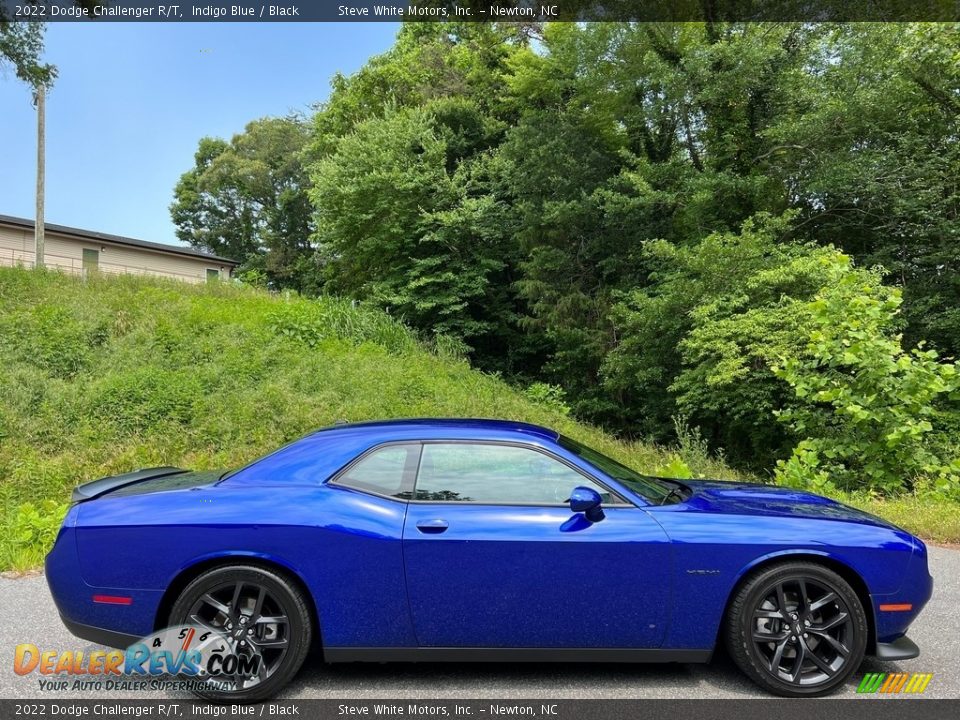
{"x": 485, "y": 540}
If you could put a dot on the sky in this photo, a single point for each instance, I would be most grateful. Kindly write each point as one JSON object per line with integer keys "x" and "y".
{"x": 133, "y": 99}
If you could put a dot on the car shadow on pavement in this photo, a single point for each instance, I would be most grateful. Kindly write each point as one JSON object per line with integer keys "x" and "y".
{"x": 719, "y": 678}
{"x": 519, "y": 680}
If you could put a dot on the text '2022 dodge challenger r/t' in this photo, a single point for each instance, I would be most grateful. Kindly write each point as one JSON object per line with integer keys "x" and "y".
{"x": 491, "y": 540}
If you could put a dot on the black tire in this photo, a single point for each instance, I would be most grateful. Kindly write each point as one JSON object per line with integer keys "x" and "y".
{"x": 796, "y": 629}
{"x": 283, "y": 644}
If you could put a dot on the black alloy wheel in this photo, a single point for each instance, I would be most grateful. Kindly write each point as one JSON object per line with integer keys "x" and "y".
{"x": 797, "y": 629}
{"x": 260, "y": 614}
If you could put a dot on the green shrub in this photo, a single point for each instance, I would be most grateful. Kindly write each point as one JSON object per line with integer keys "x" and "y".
{"x": 299, "y": 323}
{"x": 693, "y": 448}
{"x": 874, "y": 415}
{"x": 140, "y": 399}
{"x": 52, "y": 338}
{"x": 676, "y": 469}
{"x": 35, "y": 526}
{"x": 700, "y": 340}
{"x": 552, "y": 396}
{"x": 313, "y": 322}
{"x": 32, "y": 530}
{"x": 253, "y": 277}
{"x": 449, "y": 347}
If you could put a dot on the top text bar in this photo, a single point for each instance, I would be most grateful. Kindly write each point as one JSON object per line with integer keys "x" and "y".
{"x": 481, "y": 10}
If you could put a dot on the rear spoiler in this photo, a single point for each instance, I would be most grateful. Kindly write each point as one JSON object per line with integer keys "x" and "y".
{"x": 96, "y": 488}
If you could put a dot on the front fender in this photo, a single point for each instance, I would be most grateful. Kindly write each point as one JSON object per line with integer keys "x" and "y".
{"x": 714, "y": 552}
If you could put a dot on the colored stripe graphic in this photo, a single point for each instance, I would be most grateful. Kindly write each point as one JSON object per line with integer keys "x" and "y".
{"x": 891, "y": 679}
{"x": 925, "y": 679}
{"x": 871, "y": 682}
{"x": 901, "y": 681}
{"x": 892, "y": 683}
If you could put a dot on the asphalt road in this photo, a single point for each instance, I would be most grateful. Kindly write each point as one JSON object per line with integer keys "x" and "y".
{"x": 29, "y": 616}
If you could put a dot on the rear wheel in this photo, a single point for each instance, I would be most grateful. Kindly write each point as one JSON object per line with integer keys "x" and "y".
{"x": 261, "y": 614}
{"x": 797, "y": 629}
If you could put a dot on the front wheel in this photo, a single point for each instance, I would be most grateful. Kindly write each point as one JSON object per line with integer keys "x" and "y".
{"x": 797, "y": 629}
{"x": 261, "y": 615}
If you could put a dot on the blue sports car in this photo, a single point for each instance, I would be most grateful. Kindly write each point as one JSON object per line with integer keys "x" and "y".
{"x": 483, "y": 540}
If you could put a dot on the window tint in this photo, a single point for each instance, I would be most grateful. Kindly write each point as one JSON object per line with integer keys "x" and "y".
{"x": 495, "y": 474}
{"x": 383, "y": 471}
{"x": 652, "y": 489}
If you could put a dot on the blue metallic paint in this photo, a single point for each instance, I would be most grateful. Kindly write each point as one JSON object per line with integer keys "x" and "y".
{"x": 583, "y": 499}
{"x": 495, "y": 576}
{"x": 505, "y": 576}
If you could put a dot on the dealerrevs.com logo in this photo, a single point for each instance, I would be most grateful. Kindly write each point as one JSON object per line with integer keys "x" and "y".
{"x": 894, "y": 683}
{"x": 202, "y": 659}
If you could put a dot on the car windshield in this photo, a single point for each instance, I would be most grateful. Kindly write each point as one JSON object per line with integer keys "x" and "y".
{"x": 650, "y": 488}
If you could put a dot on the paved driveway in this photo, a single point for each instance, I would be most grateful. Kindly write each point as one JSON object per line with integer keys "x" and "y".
{"x": 29, "y": 616}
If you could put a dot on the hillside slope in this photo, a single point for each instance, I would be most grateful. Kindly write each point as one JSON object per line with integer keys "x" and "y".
{"x": 110, "y": 374}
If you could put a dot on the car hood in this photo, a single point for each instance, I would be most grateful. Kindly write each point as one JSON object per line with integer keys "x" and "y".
{"x": 741, "y": 498}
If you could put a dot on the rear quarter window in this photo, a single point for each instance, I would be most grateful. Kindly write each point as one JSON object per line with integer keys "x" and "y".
{"x": 387, "y": 470}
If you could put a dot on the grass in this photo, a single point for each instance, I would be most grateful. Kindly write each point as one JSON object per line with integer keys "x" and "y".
{"x": 933, "y": 519}
{"x": 109, "y": 374}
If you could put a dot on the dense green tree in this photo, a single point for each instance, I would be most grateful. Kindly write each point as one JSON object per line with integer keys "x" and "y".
{"x": 21, "y": 45}
{"x": 696, "y": 345}
{"x": 628, "y": 134}
{"x": 634, "y": 213}
{"x": 247, "y": 199}
{"x": 871, "y": 151}
{"x": 402, "y": 173}
{"x": 399, "y": 222}
{"x": 872, "y": 414}
{"x": 21, "y": 48}
{"x": 427, "y": 62}
{"x": 687, "y": 130}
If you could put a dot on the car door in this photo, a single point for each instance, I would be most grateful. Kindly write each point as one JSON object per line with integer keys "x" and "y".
{"x": 495, "y": 558}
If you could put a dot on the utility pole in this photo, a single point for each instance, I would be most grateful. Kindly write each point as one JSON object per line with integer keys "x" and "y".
{"x": 40, "y": 101}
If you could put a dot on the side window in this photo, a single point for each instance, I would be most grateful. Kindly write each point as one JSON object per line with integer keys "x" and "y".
{"x": 508, "y": 474}
{"x": 384, "y": 471}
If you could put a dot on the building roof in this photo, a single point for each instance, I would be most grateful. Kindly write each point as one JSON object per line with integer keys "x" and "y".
{"x": 116, "y": 240}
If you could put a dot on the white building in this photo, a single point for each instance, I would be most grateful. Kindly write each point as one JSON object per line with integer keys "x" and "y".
{"x": 82, "y": 251}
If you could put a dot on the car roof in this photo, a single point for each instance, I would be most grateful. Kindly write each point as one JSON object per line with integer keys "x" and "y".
{"x": 439, "y": 426}
{"x": 331, "y": 448}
